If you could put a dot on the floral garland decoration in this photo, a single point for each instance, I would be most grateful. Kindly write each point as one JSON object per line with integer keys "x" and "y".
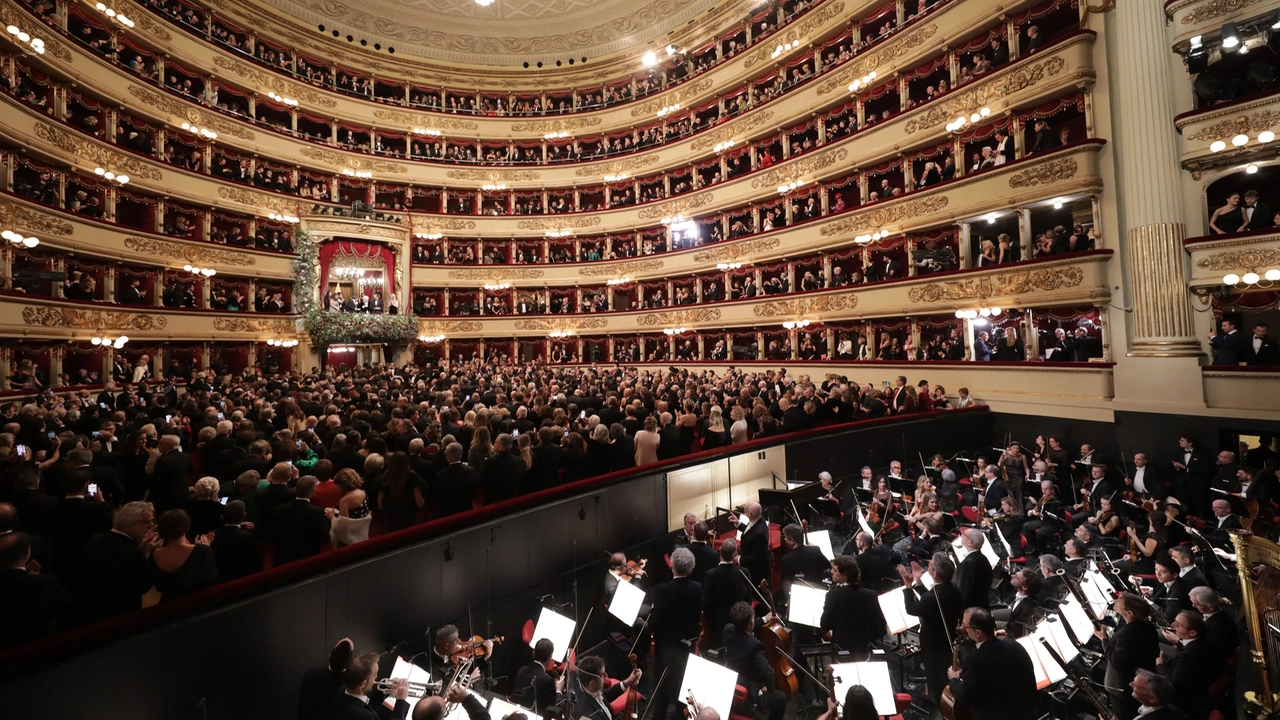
{"x": 335, "y": 328}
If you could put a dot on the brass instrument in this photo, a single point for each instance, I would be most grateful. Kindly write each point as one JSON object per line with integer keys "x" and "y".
{"x": 415, "y": 689}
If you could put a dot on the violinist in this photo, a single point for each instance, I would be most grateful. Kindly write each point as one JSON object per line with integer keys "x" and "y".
{"x": 705, "y": 557}
{"x": 621, "y": 570}
{"x": 865, "y": 479}
{"x": 724, "y": 585}
{"x": 1009, "y": 522}
{"x": 745, "y": 655}
{"x": 939, "y": 610}
{"x": 947, "y": 485}
{"x": 445, "y": 654}
{"x": 1097, "y": 486}
{"x": 1108, "y": 522}
{"x": 843, "y": 496}
{"x": 534, "y": 687}
{"x": 877, "y": 563}
{"x": 1043, "y": 522}
{"x": 1146, "y": 544}
{"x": 675, "y": 622}
{"x": 595, "y": 699}
{"x": 927, "y": 508}
{"x": 851, "y": 612}
{"x": 1039, "y": 473}
{"x": 1146, "y": 481}
{"x": 929, "y": 541}
{"x": 989, "y": 499}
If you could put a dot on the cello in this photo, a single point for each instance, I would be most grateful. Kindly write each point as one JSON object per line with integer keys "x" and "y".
{"x": 777, "y": 644}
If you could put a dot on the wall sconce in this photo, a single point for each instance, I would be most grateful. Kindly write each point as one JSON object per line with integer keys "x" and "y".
{"x": 111, "y": 177}
{"x": 108, "y": 342}
{"x": 207, "y": 272}
{"x": 17, "y": 239}
{"x": 796, "y": 324}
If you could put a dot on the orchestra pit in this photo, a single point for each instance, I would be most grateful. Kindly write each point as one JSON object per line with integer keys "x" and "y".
{"x": 608, "y": 360}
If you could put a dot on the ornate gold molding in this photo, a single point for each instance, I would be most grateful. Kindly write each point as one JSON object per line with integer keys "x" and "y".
{"x": 190, "y": 113}
{"x": 16, "y": 215}
{"x": 878, "y": 217}
{"x": 1241, "y": 260}
{"x": 799, "y": 168}
{"x": 620, "y": 269}
{"x": 569, "y": 124}
{"x": 1045, "y": 173}
{"x": 890, "y": 51}
{"x": 494, "y": 175}
{"x": 96, "y": 153}
{"x": 967, "y": 101}
{"x": 97, "y": 320}
{"x": 189, "y": 253}
{"x": 440, "y": 327}
{"x": 679, "y": 317}
{"x": 447, "y": 223}
{"x": 259, "y": 200}
{"x": 807, "y": 306}
{"x": 353, "y": 162}
{"x": 622, "y": 165}
{"x": 798, "y": 32}
{"x": 735, "y": 250}
{"x": 731, "y": 131}
{"x": 11, "y": 14}
{"x": 355, "y": 227}
{"x": 1243, "y": 125}
{"x": 144, "y": 19}
{"x": 998, "y": 285}
{"x": 271, "y": 81}
{"x": 1213, "y": 9}
{"x": 675, "y": 207}
{"x": 587, "y": 323}
{"x": 434, "y": 122}
{"x": 496, "y": 274}
{"x": 682, "y": 95}
{"x": 574, "y": 222}
{"x": 278, "y": 327}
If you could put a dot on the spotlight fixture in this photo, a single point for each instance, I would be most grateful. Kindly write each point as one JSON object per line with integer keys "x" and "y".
{"x": 1251, "y": 168}
{"x": 1197, "y": 42}
{"x": 108, "y": 342}
{"x": 110, "y": 176}
{"x": 206, "y": 272}
{"x": 202, "y": 132}
{"x": 288, "y": 101}
{"x": 275, "y": 342}
{"x": 1057, "y": 203}
{"x": 25, "y": 41}
{"x": 18, "y": 239}
{"x": 115, "y": 17}
{"x": 361, "y": 174}
{"x": 991, "y": 218}
{"x": 649, "y": 59}
{"x": 1230, "y": 35}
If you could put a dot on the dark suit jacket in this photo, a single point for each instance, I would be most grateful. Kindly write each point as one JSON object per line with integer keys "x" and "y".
{"x": 1228, "y": 349}
{"x": 73, "y": 522}
{"x": 744, "y": 654}
{"x": 454, "y": 488}
{"x": 1192, "y": 672}
{"x": 545, "y": 472}
{"x": 170, "y": 487}
{"x": 997, "y": 681}
{"x": 346, "y": 707}
{"x": 1222, "y": 635}
{"x": 939, "y": 610}
{"x": 29, "y": 606}
{"x": 116, "y": 576}
{"x": 668, "y": 441}
{"x": 705, "y": 558}
{"x": 1132, "y": 646}
{"x": 586, "y": 706}
{"x": 1218, "y": 536}
{"x": 265, "y": 502}
{"x": 723, "y": 585}
{"x": 753, "y": 546}
{"x": 807, "y": 562}
{"x": 298, "y": 529}
{"x": 973, "y": 578}
{"x": 853, "y": 616}
{"x": 1022, "y": 616}
{"x": 502, "y": 476}
{"x": 319, "y": 691}
{"x": 879, "y": 563}
{"x": 1262, "y": 216}
{"x": 534, "y": 688}
{"x": 1268, "y": 354}
{"x": 235, "y": 552}
{"x": 1173, "y": 599}
{"x": 677, "y": 611}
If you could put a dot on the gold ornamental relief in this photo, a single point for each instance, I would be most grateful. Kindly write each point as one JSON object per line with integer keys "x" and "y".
{"x": 798, "y": 169}
{"x": 624, "y": 165}
{"x": 355, "y": 163}
{"x": 620, "y": 269}
{"x": 732, "y": 131}
{"x": 998, "y": 285}
{"x": 246, "y": 325}
{"x": 1213, "y": 9}
{"x": 329, "y": 227}
{"x": 91, "y": 319}
{"x": 95, "y": 153}
{"x": 248, "y": 197}
{"x": 569, "y": 124}
{"x": 14, "y": 215}
{"x": 675, "y": 207}
{"x": 1043, "y": 174}
{"x": 890, "y": 51}
{"x": 440, "y": 327}
{"x": 439, "y": 223}
{"x": 425, "y": 121}
{"x": 679, "y": 317}
{"x": 146, "y": 21}
{"x": 576, "y": 222}
{"x": 731, "y": 251}
{"x": 494, "y": 175}
{"x": 1243, "y": 125}
{"x": 12, "y": 14}
{"x": 966, "y": 102}
{"x": 879, "y": 217}
{"x": 807, "y": 306}
{"x": 180, "y": 109}
{"x": 271, "y": 81}
{"x": 588, "y": 323}
{"x": 181, "y": 251}
{"x": 681, "y": 96}
{"x": 1240, "y": 260}
{"x": 496, "y": 274}
{"x": 823, "y": 15}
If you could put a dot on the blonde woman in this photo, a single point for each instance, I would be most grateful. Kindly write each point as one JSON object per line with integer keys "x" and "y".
{"x": 988, "y": 254}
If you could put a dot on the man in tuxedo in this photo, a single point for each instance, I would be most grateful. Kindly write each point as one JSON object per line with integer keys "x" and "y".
{"x": 170, "y": 486}
{"x": 1134, "y": 645}
{"x": 876, "y": 563}
{"x": 1195, "y": 469}
{"x": 754, "y": 540}
{"x": 547, "y": 459}
{"x": 1257, "y": 214}
{"x": 31, "y": 604}
{"x": 1221, "y": 632}
{"x": 432, "y": 707}
{"x": 353, "y": 703}
{"x": 74, "y": 520}
{"x": 1260, "y": 348}
{"x": 298, "y": 528}
{"x": 801, "y": 561}
{"x": 1147, "y": 479}
{"x": 1224, "y": 520}
{"x": 1052, "y": 590}
{"x": 675, "y": 622}
{"x": 321, "y": 685}
{"x": 668, "y": 438}
{"x": 1095, "y": 488}
{"x": 455, "y": 485}
{"x": 1086, "y": 347}
{"x": 744, "y": 655}
{"x": 973, "y": 574}
{"x": 1173, "y": 593}
{"x": 939, "y": 610}
{"x": 276, "y": 493}
{"x": 1187, "y": 570}
{"x": 1154, "y": 693}
{"x": 997, "y": 680}
{"x": 1224, "y": 476}
{"x": 534, "y": 687}
{"x": 929, "y": 541}
{"x": 117, "y": 574}
{"x": 851, "y": 613}
{"x": 503, "y": 473}
{"x": 235, "y": 549}
{"x": 1228, "y": 344}
{"x": 705, "y": 557}
{"x": 898, "y": 396}
{"x": 1195, "y": 668}
{"x": 593, "y": 702}
{"x": 1020, "y": 617}
{"x": 724, "y": 585}
{"x": 996, "y": 490}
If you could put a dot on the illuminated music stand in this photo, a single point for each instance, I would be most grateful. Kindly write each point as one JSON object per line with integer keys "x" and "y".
{"x": 874, "y": 676}
{"x": 500, "y": 709}
{"x": 414, "y": 674}
{"x": 893, "y": 605}
{"x": 806, "y": 603}
{"x": 558, "y": 629}
{"x": 626, "y": 603}
{"x": 821, "y": 539}
{"x": 711, "y": 685}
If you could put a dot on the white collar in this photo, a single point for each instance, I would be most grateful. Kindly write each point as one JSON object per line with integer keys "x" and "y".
{"x": 362, "y": 698}
{"x": 1182, "y": 572}
{"x": 1146, "y": 710}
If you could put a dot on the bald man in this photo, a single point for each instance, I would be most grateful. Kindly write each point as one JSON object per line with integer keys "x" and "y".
{"x": 433, "y": 707}
{"x": 753, "y": 543}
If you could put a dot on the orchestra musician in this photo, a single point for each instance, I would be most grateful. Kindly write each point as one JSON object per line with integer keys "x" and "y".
{"x": 724, "y": 585}
{"x": 753, "y": 542}
{"x": 876, "y": 563}
{"x": 1155, "y": 694}
{"x": 930, "y": 540}
{"x": 1173, "y": 594}
{"x": 801, "y": 561}
{"x": 939, "y": 610}
{"x": 1194, "y": 669}
{"x": 1014, "y": 466}
{"x": 745, "y": 655}
{"x": 1043, "y": 525}
{"x": 1075, "y": 553}
{"x": 851, "y": 613}
{"x": 534, "y": 687}
{"x": 989, "y": 499}
{"x": 1224, "y": 520}
{"x": 927, "y": 508}
{"x": 595, "y": 699}
{"x": 433, "y": 707}
{"x": 1053, "y": 588}
{"x": 1221, "y": 633}
{"x": 997, "y": 680}
{"x": 1187, "y": 570}
{"x": 1096, "y": 487}
{"x": 1008, "y": 523}
{"x": 1019, "y": 618}
{"x": 1147, "y": 481}
{"x": 973, "y": 574}
{"x": 705, "y": 557}
{"x": 674, "y": 621}
{"x": 353, "y": 702}
{"x": 1135, "y": 645}
{"x": 685, "y": 534}
{"x": 447, "y": 645}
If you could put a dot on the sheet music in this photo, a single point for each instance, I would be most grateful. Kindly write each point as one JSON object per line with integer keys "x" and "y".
{"x": 821, "y": 539}
{"x": 711, "y": 685}
{"x": 414, "y": 674}
{"x": 806, "y": 605}
{"x": 1076, "y": 619}
{"x": 927, "y": 580}
{"x": 500, "y": 709}
{"x": 1096, "y": 593}
{"x": 862, "y": 523}
{"x": 1028, "y": 643}
{"x": 1057, "y": 632}
{"x": 1008, "y": 551}
{"x": 1053, "y": 670}
{"x": 626, "y": 602}
{"x": 894, "y": 607}
{"x": 558, "y": 628}
{"x": 874, "y": 676}
{"x": 987, "y": 551}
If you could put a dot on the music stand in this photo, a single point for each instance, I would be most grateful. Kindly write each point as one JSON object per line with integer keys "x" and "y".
{"x": 1076, "y": 619}
{"x": 711, "y": 685}
{"x": 821, "y": 539}
{"x": 784, "y": 498}
{"x": 414, "y": 674}
{"x": 893, "y": 605}
{"x": 626, "y": 603}
{"x": 500, "y": 709}
{"x": 1056, "y": 633}
{"x": 806, "y": 604}
{"x": 558, "y": 629}
{"x": 874, "y": 676}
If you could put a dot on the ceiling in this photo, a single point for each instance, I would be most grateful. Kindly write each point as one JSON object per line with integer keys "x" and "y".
{"x": 506, "y": 33}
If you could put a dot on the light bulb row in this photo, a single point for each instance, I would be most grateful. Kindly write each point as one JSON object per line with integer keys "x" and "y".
{"x": 497, "y": 287}
{"x": 795, "y": 324}
{"x": 115, "y": 16}
{"x": 559, "y": 233}
{"x": 286, "y": 101}
{"x": 784, "y": 48}
{"x": 788, "y": 187}
{"x": 668, "y": 109}
{"x": 559, "y": 135}
{"x": 110, "y": 176}
{"x": 619, "y": 281}
{"x": 207, "y": 272}
{"x": 1251, "y": 277}
{"x": 282, "y": 343}
{"x": 721, "y": 147}
{"x": 108, "y": 342}
{"x": 202, "y": 132}
{"x": 862, "y": 82}
{"x": 493, "y": 187}
{"x": 18, "y": 239}
{"x": 557, "y": 334}
{"x": 974, "y": 118}
{"x": 361, "y": 174}
{"x": 25, "y": 40}
{"x": 431, "y": 339}
{"x": 615, "y": 178}
{"x": 430, "y": 235}
{"x": 865, "y": 238}
{"x": 1241, "y": 140}
{"x": 728, "y": 266}
{"x": 979, "y": 315}
{"x": 674, "y": 331}
{"x": 429, "y": 132}
{"x": 284, "y": 218}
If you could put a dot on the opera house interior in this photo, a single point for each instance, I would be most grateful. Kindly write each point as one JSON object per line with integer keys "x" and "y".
{"x": 741, "y": 359}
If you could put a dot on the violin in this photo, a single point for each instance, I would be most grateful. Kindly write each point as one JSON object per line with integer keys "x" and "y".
{"x": 692, "y": 708}
{"x": 873, "y": 512}
{"x": 632, "y": 570}
{"x": 472, "y": 649}
{"x": 633, "y": 695}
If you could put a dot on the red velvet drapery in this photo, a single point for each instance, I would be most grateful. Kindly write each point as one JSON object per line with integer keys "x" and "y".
{"x": 335, "y": 251}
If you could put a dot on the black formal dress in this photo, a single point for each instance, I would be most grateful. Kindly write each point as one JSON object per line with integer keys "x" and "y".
{"x": 853, "y": 617}
{"x": 117, "y": 576}
{"x": 170, "y": 486}
{"x": 997, "y": 682}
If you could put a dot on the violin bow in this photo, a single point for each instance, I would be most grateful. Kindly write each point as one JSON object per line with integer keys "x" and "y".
{"x": 654, "y": 695}
{"x": 635, "y": 642}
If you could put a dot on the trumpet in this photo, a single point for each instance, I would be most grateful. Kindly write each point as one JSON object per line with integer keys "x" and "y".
{"x": 385, "y": 686}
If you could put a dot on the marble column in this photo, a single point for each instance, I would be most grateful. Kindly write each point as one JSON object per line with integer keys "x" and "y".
{"x": 1149, "y": 183}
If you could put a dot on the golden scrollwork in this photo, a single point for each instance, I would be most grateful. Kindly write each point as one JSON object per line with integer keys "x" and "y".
{"x": 890, "y": 51}
{"x": 440, "y": 327}
{"x": 799, "y": 168}
{"x": 692, "y": 316}
{"x": 683, "y": 95}
{"x": 801, "y": 30}
{"x": 145, "y": 20}
{"x": 575, "y": 222}
{"x": 998, "y": 285}
{"x": 94, "y": 152}
{"x": 271, "y": 81}
{"x": 963, "y": 103}
{"x": 1045, "y": 173}
{"x": 435, "y": 122}
{"x": 878, "y": 217}
{"x": 730, "y": 251}
{"x": 190, "y": 113}
{"x": 247, "y": 325}
{"x": 807, "y": 306}
{"x": 569, "y": 124}
{"x": 495, "y": 274}
{"x": 733, "y": 130}
{"x": 10, "y": 14}
{"x": 188, "y": 252}
{"x": 1243, "y": 125}
{"x": 675, "y": 207}
{"x": 447, "y": 223}
{"x": 248, "y": 197}
{"x": 587, "y": 323}
{"x": 473, "y": 175}
{"x": 1241, "y": 260}
{"x": 616, "y": 167}
{"x": 620, "y": 269}
{"x": 355, "y": 227}
{"x": 97, "y": 320}
{"x": 13, "y": 214}
{"x": 1213, "y": 9}
{"x": 352, "y": 161}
